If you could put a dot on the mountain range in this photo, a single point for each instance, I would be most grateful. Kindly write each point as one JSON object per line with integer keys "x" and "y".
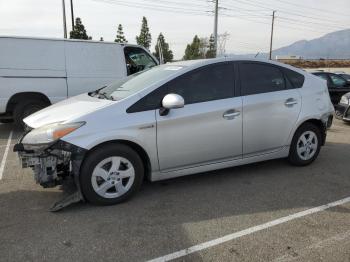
{"x": 335, "y": 45}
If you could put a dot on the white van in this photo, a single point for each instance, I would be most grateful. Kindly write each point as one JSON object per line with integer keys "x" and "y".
{"x": 37, "y": 72}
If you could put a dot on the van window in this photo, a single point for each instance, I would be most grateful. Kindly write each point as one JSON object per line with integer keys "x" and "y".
{"x": 137, "y": 60}
{"x": 257, "y": 78}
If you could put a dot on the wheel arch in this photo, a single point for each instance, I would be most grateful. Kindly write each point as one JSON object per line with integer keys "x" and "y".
{"x": 317, "y": 122}
{"x": 25, "y": 96}
{"x": 139, "y": 150}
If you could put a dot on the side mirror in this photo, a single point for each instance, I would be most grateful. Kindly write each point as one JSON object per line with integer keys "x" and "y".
{"x": 171, "y": 101}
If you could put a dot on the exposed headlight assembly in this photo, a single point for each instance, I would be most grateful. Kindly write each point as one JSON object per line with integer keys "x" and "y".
{"x": 50, "y": 133}
{"x": 345, "y": 100}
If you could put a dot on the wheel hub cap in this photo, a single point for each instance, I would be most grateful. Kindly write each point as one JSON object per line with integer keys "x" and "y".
{"x": 307, "y": 145}
{"x": 113, "y": 177}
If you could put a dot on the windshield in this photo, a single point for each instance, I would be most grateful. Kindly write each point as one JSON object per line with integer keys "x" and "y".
{"x": 136, "y": 82}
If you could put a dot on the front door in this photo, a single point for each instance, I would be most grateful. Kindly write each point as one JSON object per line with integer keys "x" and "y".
{"x": 209, "y": 127}
{"x": 271, "y": 107}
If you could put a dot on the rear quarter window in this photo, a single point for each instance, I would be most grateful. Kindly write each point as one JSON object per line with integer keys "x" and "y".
{"x": 296, "y": 79}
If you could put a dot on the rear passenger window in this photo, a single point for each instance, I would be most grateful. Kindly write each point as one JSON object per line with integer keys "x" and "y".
{"x": 259, "y": 78}
{"x": 212, "y": 82}
{"x": 295, "y": 78}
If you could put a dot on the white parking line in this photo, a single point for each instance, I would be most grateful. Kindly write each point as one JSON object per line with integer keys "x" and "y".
{"x": 3, "y": 161}
{"x": 248, "y": 231}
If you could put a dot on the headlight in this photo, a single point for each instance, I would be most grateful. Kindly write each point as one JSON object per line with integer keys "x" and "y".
{"x": 50, "y": 133}
{"x": 345, "y": 100}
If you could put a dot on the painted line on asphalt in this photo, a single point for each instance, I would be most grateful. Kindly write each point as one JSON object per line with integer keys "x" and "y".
{"x": 248, "y": 231}
{"x": 1, "y": 146}
{"x": 4, "y": 157}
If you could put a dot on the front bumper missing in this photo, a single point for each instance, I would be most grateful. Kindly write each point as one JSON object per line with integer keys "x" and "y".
{"x": 58, "y": 164}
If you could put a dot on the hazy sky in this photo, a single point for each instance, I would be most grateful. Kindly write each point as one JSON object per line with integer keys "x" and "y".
{"x": 248, "y": 22}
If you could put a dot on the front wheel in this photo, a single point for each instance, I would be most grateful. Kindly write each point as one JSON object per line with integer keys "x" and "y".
{"x": 111, "y": 174}
{"x": 305, "y": 145}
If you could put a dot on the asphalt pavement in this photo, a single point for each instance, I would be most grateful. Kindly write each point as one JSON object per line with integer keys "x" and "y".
{"x": 174, "y": 215}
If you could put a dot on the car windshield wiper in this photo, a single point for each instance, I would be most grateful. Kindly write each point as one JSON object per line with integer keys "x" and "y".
{"x": 102, "y": 95}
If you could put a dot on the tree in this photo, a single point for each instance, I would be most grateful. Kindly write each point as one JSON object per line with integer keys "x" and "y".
{"x": 120, "y": 38}
{"x": 211, "y": 51}
{"x": 192, "y": 50}
{"x": 79, "y": 31}
{"x": 167, "y": 53}
{"x": 144, "y": 38}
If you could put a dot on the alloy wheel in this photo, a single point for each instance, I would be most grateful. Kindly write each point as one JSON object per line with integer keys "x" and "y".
{"x": 307, "y": 145}
{"x": 113, "y": 177}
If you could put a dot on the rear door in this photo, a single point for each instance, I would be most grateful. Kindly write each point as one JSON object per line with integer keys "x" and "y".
{"x": 209, "y": 127}
{"x": 271, "y": 107}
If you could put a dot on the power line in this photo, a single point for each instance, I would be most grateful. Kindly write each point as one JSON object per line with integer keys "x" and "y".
{"x": 263, "y": 5}
{"x": 157, "y": 7}
{"x": 314, "y": 8}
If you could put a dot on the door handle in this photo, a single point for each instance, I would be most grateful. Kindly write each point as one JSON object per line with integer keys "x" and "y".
{"x": 290, "y": 102}
{"x": 231, "y": 114}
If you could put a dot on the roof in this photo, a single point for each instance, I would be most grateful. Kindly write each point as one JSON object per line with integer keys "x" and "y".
{"x": 66, "y": 39}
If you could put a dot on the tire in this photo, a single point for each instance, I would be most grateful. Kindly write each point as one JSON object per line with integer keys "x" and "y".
{"x": 98, "y": 174}
{"x": 24, "y": 109}
{"x": 301, "y": 153}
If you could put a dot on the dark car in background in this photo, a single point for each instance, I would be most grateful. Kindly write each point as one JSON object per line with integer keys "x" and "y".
{"x": 337, "y": 85}
{"x": 345, "y": 76}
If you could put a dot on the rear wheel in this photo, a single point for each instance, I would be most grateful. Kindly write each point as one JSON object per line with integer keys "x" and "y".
{"x": 26, "y": 108}
{"x": 111, "y": 174}
{"x": 305, "y": 145}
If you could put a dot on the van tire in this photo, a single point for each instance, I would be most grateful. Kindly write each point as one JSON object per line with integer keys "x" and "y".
{"x": 24, "y": 109}
{"x": 295, "y": 158}
{"x": 93, "y": 160}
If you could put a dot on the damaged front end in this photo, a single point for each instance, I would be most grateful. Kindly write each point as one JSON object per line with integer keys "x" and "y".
{"x": 57, "y": 163}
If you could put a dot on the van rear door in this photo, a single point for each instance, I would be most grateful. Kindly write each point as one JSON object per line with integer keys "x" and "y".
{"x": 91, "y": 65}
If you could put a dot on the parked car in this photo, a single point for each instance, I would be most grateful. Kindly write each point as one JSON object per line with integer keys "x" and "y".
{"x": 337, "y": 85}
{"x": 342, "y": 110}
{"x": 37, "y": 72}
{"x": 345, "y": 76}
{"x": 174, "y": 120}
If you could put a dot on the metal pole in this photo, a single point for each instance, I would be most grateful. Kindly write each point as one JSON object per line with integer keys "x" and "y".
{"x": 64, "y": 19}
{"x": 72, "y": 13}
{"x": 216, "y": 26}
{"x": 273, "y": 21}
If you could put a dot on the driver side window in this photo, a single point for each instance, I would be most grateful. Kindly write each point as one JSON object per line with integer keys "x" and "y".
{"x": 137, "y": 60}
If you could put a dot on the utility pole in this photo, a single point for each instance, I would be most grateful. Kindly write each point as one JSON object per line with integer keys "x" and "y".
{"x": 72, "y": 13}
{"x": 64, "y": 19}
{"x": 273, "y": 21}
{"x": 216, "y": 12}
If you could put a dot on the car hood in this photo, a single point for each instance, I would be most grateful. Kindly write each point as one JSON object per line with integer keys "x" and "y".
{"x": 66, "y": 110}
